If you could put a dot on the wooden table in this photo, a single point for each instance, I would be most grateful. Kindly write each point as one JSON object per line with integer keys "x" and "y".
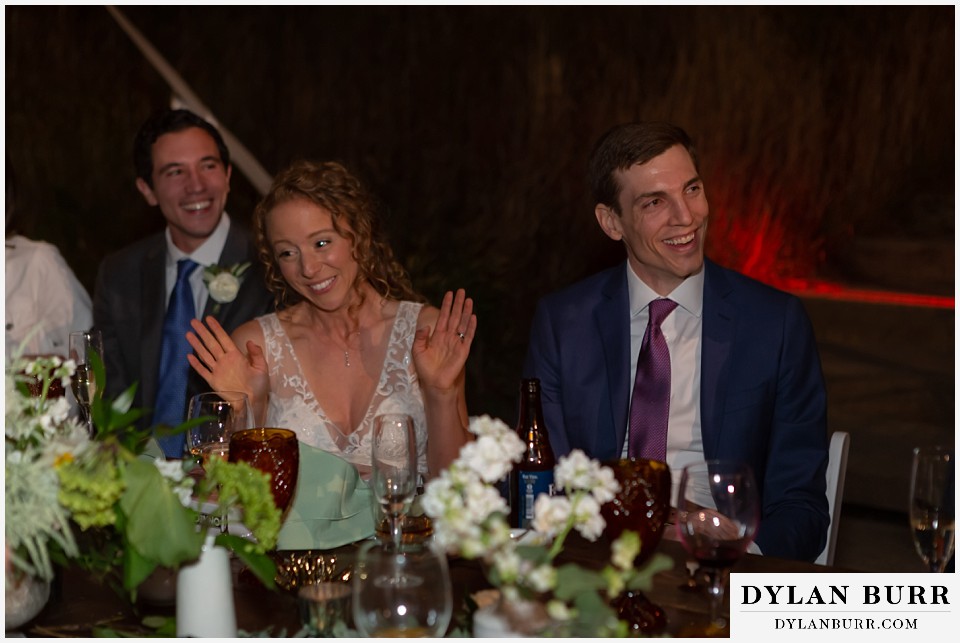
{"x": 78, "y": 604}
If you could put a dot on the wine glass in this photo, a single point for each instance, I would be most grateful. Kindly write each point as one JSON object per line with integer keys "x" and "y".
{"x": 931, "y": 505}
{"x": 222, "y": 415}
{"x": 642, "y": 505}
{"x": 394, "y": 463}
{"x": 403, "y": 592}
{"x": 273, "y": 451}
{"x": 718, "y": 511}
{"x": 84, "y": 343}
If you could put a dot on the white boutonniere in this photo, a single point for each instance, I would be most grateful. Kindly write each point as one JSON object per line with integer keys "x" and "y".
{"x": 224, "y": 283}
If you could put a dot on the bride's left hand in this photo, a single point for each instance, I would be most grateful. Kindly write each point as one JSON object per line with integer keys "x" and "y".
{"x": 441, "y": 353}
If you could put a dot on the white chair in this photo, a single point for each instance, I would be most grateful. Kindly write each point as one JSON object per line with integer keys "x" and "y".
{"x": 836, "y": 473}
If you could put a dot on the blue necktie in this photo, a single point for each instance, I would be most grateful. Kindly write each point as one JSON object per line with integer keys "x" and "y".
{"x": 174, "y": 368}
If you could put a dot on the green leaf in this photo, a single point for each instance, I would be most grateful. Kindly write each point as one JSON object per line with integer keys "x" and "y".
{"x": 158, "y": 526}
{"x": 536, "y": 554}
{"x": 136, "y": 569}
{"x": 643, "y": 578}
{"x": 595, "y": 617}
{"x": 573, "y": 580}
{"x": 259, "y": 563}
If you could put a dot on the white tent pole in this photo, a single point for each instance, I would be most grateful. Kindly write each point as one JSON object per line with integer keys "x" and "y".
{"x": 239, "y": 154}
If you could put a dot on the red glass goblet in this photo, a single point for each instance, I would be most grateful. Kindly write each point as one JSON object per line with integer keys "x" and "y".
{"x": 273, "y": 451}
{"x": 642, "y": 506}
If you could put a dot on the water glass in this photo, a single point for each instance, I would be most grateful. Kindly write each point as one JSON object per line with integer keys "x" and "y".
{"x": 223, "y": 414}
{"x": 403, "y": 592}
{"x": 932, "y": 488}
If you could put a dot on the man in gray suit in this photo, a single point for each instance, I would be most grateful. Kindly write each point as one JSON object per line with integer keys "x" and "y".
{"x": 183, "y": 167}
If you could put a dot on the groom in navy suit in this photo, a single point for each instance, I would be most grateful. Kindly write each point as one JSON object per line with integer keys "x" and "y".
{"x": 745, "y": 379}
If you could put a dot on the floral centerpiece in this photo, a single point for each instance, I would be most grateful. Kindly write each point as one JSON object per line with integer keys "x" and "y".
{"x": 101, "y": 502}
{"x": 470, "y": 520}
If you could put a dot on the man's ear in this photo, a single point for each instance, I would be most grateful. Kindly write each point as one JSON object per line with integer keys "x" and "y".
{"x": 146, "y": 191}
{"x": 609, "y": 221}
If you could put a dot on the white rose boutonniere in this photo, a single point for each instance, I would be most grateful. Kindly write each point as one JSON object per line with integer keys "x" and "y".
{"x": 224, "y": 283}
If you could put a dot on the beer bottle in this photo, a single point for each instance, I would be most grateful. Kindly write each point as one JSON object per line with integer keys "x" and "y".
{"x": 534, "y": 473}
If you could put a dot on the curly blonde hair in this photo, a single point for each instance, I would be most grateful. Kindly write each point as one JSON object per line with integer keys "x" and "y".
{"x": 331, "y": 186}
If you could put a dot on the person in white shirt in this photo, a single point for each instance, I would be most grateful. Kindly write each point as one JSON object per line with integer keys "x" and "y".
{"x": 45, "y": 301}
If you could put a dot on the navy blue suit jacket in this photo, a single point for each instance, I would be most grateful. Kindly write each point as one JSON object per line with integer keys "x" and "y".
{"x": 762, "y": 396}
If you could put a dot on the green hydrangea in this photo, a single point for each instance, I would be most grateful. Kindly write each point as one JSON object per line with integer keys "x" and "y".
{"x": 90, "y": 489}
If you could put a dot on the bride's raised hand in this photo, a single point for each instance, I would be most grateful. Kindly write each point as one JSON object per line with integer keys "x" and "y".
{"x": 223, "y": 365}
{"x": 440, "y": 353}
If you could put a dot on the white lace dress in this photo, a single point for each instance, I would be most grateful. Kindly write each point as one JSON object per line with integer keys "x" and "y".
{"x": 294, "y": 406}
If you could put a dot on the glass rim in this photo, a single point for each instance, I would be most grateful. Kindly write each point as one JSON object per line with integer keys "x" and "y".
{"x": 224, "y": 396}
{"x": 934, "y": 449}
{"x": 263, "y": 430}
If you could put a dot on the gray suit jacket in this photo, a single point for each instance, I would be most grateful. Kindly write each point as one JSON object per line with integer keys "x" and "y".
{"x": 130, "y": 302}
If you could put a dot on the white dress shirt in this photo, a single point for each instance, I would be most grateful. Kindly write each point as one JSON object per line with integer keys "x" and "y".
{"x": 207, "y": 254}
{"x": 683, "y": 330}
{"x": 42, "y": 293}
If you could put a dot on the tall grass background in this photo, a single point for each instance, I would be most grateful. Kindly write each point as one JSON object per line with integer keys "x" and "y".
{"x": 816, "y": 127}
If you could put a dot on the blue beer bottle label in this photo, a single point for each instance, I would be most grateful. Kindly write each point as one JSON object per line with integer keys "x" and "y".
{"x": 532, "y": 484}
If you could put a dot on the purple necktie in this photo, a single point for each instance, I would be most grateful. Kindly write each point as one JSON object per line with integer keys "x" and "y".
{"x": 650, "y": 405}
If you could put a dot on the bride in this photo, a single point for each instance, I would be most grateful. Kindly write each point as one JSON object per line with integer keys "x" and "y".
{"x": 351, "y": 338}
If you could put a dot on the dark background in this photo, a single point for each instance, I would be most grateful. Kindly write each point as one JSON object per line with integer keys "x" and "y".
{"x": 820, "y": 129}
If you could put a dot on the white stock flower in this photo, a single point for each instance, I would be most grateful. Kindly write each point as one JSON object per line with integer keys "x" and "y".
{"x": 550, "y": 514}
{"x": 605, "y": 485}
{"x": 224, "y": 288}
{"x": 624, "y": 550}
{"x": 507, "y": 564}
{"x": 542, "y": 578}
{"x": 576, "y": 472}
{"x": 587, "y": 518}
{"x": 559, "y": 611}
{"x": 483, "y": 500}
{"x": 486, "y": 425}
{"x": 486, "y": 457}
{"x": 172, "y": 470}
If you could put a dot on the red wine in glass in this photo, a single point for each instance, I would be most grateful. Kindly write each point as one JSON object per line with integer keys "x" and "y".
{"x": 718, "y": 510}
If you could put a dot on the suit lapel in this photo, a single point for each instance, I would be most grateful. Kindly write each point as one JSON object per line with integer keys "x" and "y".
{"x": 235, "y": 251}
{"x": 612, "y": 317}
{"x": 152, "y": 309}
{"x": 719, "y": 315}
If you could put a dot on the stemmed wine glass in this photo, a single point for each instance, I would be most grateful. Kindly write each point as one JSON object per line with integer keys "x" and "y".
{"x": 931, "y": 505}
{"x": 718, "y": 510}
{"x": 394, "y": 463}
{"x": 84, "y": 343}
{"x": 402, "y": 592}
{"x": 220, "y": 415}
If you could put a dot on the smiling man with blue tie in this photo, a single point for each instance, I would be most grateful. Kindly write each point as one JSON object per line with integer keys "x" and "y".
{"x": 670, "y": 356}
{"x": 147, "y": 293}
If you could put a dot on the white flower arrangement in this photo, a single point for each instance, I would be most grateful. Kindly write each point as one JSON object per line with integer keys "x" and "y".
{"x": 224, "y": 283}
{"x": 470, "y": 520}
{"x": 99, "y": 500}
